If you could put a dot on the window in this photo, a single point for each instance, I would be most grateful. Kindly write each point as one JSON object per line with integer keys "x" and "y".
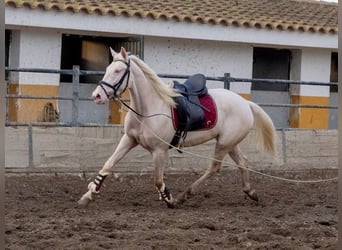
{"x": 271, "y": 64}
{"x": 92, "y": 53}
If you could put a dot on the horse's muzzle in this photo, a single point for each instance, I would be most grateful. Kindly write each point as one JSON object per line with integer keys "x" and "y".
{"x": 98, "y": 97}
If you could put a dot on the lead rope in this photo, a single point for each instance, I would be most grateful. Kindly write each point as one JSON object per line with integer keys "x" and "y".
{"x": 138, "y": 114}
{"x": 236, "y": 166}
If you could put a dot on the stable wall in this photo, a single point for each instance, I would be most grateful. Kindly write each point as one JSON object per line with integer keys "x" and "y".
{"x": 41, "y": 48}
{"x": 211, "y": 58}
{"x": 310, "y": 65}
{"x": 33, "y": 48}
{"x": 85, "y": 149}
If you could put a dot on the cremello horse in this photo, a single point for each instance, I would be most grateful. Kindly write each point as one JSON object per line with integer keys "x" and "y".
{"x": 148, "y": 123}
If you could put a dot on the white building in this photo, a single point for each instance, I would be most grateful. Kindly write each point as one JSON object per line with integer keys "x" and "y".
{"x": 294, "y": 40}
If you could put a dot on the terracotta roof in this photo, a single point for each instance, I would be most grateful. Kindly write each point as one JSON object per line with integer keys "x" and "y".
{"x": 290, "y": 15}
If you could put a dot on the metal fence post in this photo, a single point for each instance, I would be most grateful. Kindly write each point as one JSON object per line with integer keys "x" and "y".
{"x": 226, "y": 81}
{"x": 30, "y": 145}
{"x": 75, "y": 93}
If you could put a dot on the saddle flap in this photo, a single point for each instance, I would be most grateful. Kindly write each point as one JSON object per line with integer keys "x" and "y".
{"x": 182, "y": 119}
{"x": 190, "y": 117}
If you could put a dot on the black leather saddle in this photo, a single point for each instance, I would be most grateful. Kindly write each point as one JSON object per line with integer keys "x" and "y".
{"x": 195, "y": 85}
{"x": 189, "y": 109}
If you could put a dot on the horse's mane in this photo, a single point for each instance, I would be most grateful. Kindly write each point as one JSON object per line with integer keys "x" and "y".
{"x": 164, "y": 91}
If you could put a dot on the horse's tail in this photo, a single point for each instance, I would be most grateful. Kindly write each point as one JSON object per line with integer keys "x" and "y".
{"x": 264, "y": 129}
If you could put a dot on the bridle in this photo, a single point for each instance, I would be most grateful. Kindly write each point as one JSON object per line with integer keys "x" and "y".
{"x": 117, "y": 85}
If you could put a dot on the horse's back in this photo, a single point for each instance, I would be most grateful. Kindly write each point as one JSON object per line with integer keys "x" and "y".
{"x": 231, "y": 103}
{"x": 235, "y": 117}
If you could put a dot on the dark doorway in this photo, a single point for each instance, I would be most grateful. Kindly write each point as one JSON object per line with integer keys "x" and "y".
{"x": 271, "y": 64}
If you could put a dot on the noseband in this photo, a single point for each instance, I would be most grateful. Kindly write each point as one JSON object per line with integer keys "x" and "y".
{"x": 117, "y": 85}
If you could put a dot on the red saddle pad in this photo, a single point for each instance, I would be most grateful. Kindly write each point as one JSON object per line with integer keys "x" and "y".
{"x": 210, "y": 118}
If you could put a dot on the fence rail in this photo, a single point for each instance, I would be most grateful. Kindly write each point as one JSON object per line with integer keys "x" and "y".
{"x": 75, "y": 99}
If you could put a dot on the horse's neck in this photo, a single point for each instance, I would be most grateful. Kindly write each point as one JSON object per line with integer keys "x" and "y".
{"x": 143, "y": 97}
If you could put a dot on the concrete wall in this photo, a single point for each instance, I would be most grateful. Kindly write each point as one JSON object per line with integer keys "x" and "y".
{"x": 211, "y": 58}
{"x": 33, "y": 48}
{"x": 84, "y": 149}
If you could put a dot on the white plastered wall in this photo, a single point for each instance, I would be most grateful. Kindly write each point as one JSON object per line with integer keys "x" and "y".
{"x": 311, "y": 65}
{"x": 188, "y": 56}
{"x": 36, "y": 48}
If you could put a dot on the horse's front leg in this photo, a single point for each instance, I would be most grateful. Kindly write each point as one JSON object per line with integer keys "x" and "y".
{"x": 125, "y": 145}
{"x": 159, "y": 160}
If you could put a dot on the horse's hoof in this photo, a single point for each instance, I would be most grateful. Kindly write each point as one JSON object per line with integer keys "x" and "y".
{"x": 170, "y": 203}
{"x": 84, "y": 201}
{"x": 252, "y": 194}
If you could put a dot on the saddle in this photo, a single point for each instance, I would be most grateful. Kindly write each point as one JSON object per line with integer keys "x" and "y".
{"x": 189, "y": 110}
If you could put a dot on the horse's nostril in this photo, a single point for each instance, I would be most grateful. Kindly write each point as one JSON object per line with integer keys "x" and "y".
{"x": 97, "y": 97}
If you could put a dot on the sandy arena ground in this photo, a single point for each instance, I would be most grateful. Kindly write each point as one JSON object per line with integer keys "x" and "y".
{"x": 42, "y": 213}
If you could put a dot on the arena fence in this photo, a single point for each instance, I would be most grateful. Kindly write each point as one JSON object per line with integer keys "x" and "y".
{"x": 226, "y": 79}
{"x": 33, "y": 148}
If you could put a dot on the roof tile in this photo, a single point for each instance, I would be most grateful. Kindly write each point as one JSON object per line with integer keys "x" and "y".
{"x": 290, "y": 15}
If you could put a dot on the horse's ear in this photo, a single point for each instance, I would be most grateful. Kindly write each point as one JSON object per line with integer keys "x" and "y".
{"x": 123, "y": 53}
{"x": 112, "y": 52}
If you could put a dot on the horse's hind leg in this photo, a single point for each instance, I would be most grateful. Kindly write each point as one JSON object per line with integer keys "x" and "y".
{"x": 241, "y": 160}
{"x": 220, "y": 152}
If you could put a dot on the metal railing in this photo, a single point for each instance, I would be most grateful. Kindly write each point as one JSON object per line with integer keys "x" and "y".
{"x": 75, "y": 99}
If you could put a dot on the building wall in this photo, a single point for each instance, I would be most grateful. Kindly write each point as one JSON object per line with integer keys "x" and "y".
{"x": 186, "y": 56}
{"x": 41, "y": 48}
{"x": 211, "y": 58}
{"x": 311, "y": 65}
{"x": 33, "y": 48}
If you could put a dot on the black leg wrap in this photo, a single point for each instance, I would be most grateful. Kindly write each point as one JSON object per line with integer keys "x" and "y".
{"x": 166, "y": 195}
{"x": 99, "y": 181}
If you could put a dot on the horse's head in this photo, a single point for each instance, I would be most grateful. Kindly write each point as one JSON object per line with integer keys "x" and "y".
{"x": 116, "y": 78}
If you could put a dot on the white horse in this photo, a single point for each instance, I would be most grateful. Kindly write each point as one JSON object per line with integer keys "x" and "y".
{"x": 149, "y": 123}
